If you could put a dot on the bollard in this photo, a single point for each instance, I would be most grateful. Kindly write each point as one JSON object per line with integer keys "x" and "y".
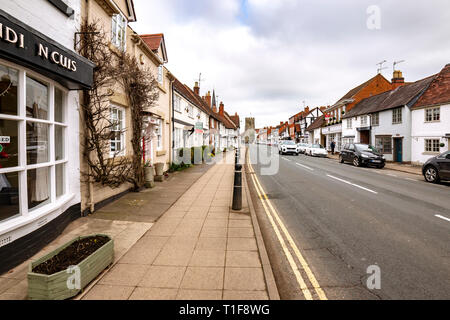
{"x": 237, "y": 191}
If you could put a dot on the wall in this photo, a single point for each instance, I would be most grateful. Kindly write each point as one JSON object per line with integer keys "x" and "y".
{"x": 421, "y": 131}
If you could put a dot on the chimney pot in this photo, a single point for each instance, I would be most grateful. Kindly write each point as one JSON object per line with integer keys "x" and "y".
{"x": 197, "y": 89}
{"x": 397, "y": 80}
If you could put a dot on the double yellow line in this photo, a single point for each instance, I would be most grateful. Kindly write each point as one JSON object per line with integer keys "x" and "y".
{"x": 273, "y": 216}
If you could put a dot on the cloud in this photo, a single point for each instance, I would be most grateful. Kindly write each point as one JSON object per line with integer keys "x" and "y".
{"x": 264, "y": 57}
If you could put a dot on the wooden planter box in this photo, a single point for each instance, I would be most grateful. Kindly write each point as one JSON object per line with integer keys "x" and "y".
{"x": 54, "y": 287}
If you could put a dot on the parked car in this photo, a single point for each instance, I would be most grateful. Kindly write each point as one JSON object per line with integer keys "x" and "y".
{"x": 362, "y": 154}
{"x": 437, "y": 168}
{"x": 288, "y": 147}
{"x": 316, "y": 150}
{"x": 302, "y": 147}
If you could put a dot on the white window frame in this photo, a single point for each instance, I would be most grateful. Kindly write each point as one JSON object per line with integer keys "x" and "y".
{"x": 364, "y": 121}
{"x": 161, "y": 74}
{"x": 22, "y": 168}
{"x": 376, "y": 119}
{"x": 119, "y": 26}
{"x": 434, "y": 144}
{"x": 433, "y": 114}
{"x": 159, "y": 130}
{"x": 350, "y": 123}
{"x": 190, "y": 111}
{"x": 121, "y": 129}
{"x": 177, "y": 103}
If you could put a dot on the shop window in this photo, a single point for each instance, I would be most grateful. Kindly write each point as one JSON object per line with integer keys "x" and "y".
{"x": 432, "y": 145}
{"x": 117, "y": 131}
{"x": 384, "y": 144}
{"x": 8, "y": 90}
{"x": 36, "y": 178}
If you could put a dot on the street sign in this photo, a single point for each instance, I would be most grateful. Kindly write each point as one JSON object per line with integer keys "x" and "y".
{"x": 5, "y": 140}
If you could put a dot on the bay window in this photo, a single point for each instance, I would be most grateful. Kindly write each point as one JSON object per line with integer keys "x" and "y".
{"x": 33, "y": 139}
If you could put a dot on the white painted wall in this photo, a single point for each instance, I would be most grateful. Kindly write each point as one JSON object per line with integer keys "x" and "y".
{"x": 45, "y": 18}
{"x": 422, "y": 130}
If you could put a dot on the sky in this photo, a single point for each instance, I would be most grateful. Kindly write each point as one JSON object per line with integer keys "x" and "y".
{"x": 269, "y": 58}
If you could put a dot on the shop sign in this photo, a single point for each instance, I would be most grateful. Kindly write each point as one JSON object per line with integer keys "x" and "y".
{"x": 5, "y": 140}
{"x": 199, "y": 127}
{"x": 25, "y": 46}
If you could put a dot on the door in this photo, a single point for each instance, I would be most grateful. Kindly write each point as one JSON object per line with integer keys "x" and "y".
{"x": 365, "y": 137}
{"x": 398, "y": 149}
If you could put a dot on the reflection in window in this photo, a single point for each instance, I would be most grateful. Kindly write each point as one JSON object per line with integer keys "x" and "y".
{"x": 38, "y": 183}
{"x": 59, "y": 180}
{"x": 9, "y": 144}
{"x": 59, "y": 105}
{"x": 37, "y": 99}
{"x": 9, "y": 195}
{"x": 59, "y": 143}
{"x": 37, "y": 143}
{"x": 8, "y": 90}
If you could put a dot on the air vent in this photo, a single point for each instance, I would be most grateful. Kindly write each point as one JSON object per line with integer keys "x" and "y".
{"x": 5, "y": 241}
{"x": 42, "y": 222}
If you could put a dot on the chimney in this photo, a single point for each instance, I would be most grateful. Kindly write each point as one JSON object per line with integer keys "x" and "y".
{"x": 221, "y": 109}
{"x": 306, "y": 110}
{"x": 397, "y": 80}
{"x": 208, "y": 99}
{"x": 197, "y": 89}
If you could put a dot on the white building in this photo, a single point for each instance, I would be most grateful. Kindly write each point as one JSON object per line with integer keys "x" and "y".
{"x": 40, "y": 74}
{"x": 315, "y": 131}
{"x": 431, "y": 120}
{"x": 384, "y": 121}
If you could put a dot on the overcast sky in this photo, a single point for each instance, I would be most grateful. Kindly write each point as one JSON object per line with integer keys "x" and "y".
{"x": 265, "y": 58}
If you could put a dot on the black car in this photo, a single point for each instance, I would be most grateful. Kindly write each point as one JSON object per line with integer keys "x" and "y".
{"x": 437, "y": 168}
{"x": 362, "y": 154}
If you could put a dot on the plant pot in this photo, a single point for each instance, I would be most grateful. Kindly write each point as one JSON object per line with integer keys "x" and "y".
{"x": 149, "y": 174}
{"x": 55, "y": 286}
{"x": 159, "y": 168}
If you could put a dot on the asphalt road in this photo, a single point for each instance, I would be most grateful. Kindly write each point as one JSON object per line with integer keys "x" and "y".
{"x": 345, "y": 219}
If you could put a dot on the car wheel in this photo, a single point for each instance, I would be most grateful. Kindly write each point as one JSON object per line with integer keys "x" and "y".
{"x": 341, "y": 159}
{"x": 356, "y": 162}
{"x": 432, "y": 175}
{"x": 381, "y": 167}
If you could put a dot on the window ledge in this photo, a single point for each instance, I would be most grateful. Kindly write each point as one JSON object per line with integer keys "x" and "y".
{"x": 426, "y": 122}
{"x": 431, "y": 153}
{"x": 160, "y": 153}
{"x": 35, "y": 215}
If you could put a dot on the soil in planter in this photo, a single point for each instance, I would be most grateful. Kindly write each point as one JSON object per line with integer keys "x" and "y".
{"x": 72, "y": 255}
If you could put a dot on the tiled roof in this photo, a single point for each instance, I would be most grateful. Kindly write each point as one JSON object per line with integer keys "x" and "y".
{"x": 153, "y": 41}
{"x": 317, "y": 124}
{"x": 438, "y": 92}
{"x": 357, "y": 89}
{"x": 401, "y": 96}
{"x": 236, "y": 120}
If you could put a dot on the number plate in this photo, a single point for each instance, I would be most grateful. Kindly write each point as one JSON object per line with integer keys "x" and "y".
{"x": 376, "y": 161}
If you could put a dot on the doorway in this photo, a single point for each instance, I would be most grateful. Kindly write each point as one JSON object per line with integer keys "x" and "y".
{"x": 398, "y": 149}
{"x": 365, "y": 137}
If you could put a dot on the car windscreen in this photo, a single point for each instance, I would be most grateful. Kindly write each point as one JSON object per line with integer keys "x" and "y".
{"x": 316, "y": 146}
{"x": 289, "y": 143}
{"x": 366, "y": 148}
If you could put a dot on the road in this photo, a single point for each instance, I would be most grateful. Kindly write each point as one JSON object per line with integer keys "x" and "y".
{"x": 345, "y": 219}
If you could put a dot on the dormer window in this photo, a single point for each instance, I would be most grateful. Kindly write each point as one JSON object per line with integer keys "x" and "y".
{"x": 119, "y": 31}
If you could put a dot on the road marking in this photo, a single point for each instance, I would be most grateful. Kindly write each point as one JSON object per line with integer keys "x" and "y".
{"x": 287, "y": 159}
{"x": 391, "y": 175}
{"x": 410, "y": 179}
{"x": 352, "y": 184}
{"x": 273, "y": 213}
{"x": 442, "y": 217}
{"x": 303, "y": 166}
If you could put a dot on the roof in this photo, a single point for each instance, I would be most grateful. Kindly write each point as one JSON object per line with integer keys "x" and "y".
{"x": 317, "y": 124}
{"x": 357, "y": 89}
{"x": 404, "y": 95}
{"x": 154, "y": 41}
{"x": 236, "y": 120}
{"x": 438, "y": 92}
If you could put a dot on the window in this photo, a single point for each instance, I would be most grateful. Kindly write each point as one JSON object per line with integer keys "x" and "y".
{"x": 397, "y": 116}
{"x": 33, "y": 164}
{"x": 178, "y": 138}
{"x": 119, "y": 31}
{"x": 364, "y": 121}
{"x": 190, "y": 111}
{"x": 433, "y": 115}
{"x": 349, "y": 124}
{"x": 376, "y": 119}
{"x": 118, "y": 131}
{"x": 432, "y": 145}
{"x": 158, "y": 132}
{"x": 384, "y": 144}
{"x": 161, "y": 74}
{"x": 177, "y": 103}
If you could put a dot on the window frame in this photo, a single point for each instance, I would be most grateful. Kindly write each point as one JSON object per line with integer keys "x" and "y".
{"x": 397, "y": 115}
{"x": 383, "y": 149}
{"x": 121, "y": 44}
{"x": 376, "y": 116}
{"x": 177, "y": 103}
{"x": 122, "y": 131}
{"x": 23, "y": 168}
{"x": 433, "y": 114}
{"x": 364, "y": 121}
{"x": 159, "y": 135}
{"x": 350, "y": 123}
{"x": 433, "y": 149}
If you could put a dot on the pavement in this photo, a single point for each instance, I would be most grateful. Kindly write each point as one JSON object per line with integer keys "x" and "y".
{"x": 345, "y": 220}
{"x": 198, "y": 250}
{"x": 179, "y": 240}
